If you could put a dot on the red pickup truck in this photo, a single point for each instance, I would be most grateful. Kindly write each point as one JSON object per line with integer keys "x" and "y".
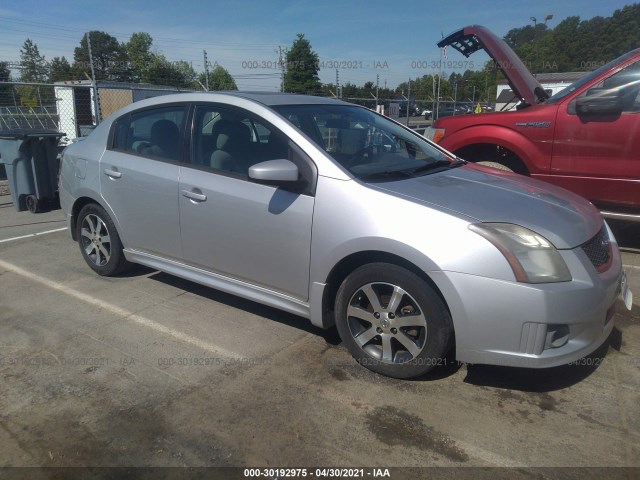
{"x": 585, "y": 138}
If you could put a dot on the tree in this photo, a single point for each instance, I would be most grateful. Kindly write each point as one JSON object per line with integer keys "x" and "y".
{"x": 188, "y": 73}
{"x": 139, "y": 51}
{"x": 5, "y": 72}
{"x": 6, "y": 97}
{"x": 219, "y": 79}
{"x": 163, "y": 72}
{"x": 33, "y": 66}
{"x": 574, "y": 44}
{"x": 302, "y": 68}
{"x": 59, "y": 70}
{"x": 110, "y": 60}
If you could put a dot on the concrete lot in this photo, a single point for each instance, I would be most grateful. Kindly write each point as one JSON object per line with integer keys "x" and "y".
{"x": 150, "y": 370}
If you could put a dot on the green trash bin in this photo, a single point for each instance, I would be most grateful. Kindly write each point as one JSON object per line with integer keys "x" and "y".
{"x": 30, "y": 158}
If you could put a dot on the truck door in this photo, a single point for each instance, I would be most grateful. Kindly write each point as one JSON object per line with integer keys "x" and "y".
{"x": 597, "y": 155}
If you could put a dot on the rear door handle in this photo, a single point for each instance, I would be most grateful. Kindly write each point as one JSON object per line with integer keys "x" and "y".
{"x": 196, "y": 197}
{"x": 112, "y": 173}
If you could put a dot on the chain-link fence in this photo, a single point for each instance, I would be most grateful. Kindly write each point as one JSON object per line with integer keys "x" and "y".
{"x": 73, "y": 108}
{"x": 27, "y": 106}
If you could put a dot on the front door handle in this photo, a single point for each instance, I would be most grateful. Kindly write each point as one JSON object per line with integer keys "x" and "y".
{"x": 196, "y": 197}
{"x": 112, "y": 173}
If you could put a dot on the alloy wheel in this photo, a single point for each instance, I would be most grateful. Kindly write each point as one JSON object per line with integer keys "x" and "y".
{"x": 96, "y": 241}
{"x": 387, "y": 323}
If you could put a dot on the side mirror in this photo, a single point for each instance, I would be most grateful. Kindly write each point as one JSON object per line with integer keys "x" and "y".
{"x": 274, "y": 172}
{"x": 599, "y": 101}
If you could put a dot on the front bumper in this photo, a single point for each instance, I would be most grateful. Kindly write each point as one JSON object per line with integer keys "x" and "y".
{"x": 512, "y": 324}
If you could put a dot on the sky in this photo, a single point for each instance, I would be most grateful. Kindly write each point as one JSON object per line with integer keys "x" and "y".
{"x": 364, "y": 39}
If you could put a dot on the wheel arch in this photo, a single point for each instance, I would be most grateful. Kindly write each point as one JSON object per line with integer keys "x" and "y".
{"x": 479, "y": 152}
{"x": 348, "y": 264}
{"x": 79, "y": 204}
{"x": 530, "y": 154}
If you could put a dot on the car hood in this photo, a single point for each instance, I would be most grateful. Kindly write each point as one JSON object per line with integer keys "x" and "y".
{"x": 484, "y": 194}
{"x": 476, "y": 37}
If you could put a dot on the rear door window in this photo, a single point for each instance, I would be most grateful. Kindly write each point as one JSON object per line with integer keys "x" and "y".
{"x": 155, "y": 133}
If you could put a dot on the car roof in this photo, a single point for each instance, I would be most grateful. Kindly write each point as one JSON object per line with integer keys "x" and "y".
{"x": 268, "y": 99}
{"x": 277, "y": 98}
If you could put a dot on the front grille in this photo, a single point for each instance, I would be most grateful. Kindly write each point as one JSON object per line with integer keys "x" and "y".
{"x": 598, "y": 249}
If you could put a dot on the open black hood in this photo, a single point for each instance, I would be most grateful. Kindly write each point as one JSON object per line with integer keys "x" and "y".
{"x": 476, "y": 37}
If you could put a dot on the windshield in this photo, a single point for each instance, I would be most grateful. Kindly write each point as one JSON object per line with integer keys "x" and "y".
{"x": 588, "y": 78}
{"x": 365, "y": 143}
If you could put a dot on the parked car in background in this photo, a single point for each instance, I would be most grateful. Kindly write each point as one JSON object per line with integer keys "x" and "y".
{"x": 585, "y": 138}
{"x": 450, "y": 109}
{"x": 414, "y": 110}
{"x": 335, "y": 213}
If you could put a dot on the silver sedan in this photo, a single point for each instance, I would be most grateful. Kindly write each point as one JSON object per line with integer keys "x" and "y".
{"x": 342, "y": 216}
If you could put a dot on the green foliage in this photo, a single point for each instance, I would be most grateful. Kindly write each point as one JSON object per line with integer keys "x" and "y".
{"x": 33, "y": 66}
{"x": 301, "y": 75}
{"x": 188, "y": 73}
{"x": 59, "y": 70}
{"x": 33, "y": 69}
{"x": 138, "y": 50}
{"x": 161, "y": 71}
{"x": 575, "y": 45}
{"x": 5, "y": 72}
{"x": 110, "y": 59}
{"x": 219, "y": 79}
{"x": 6, "y": 97}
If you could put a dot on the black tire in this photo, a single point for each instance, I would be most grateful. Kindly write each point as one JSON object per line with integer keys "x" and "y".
{"x": 405, "y": 339}
{"x": 33, "y": 204}
{"x": 99, "y": 241}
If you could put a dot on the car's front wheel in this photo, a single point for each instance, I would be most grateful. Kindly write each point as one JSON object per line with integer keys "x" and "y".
{"x": 99, "y": 241}
{"x": 392, "y": 321}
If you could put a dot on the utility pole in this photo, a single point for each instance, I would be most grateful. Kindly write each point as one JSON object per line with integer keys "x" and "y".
{"x": 408, "y": 99}
{"x": 455, "y": 96}
{"x": 338, "y": 84}
{"x": 377, "y": 90}
{"x": 433, "y": 97}
{"x": 94, "y": 88}
{"x": 206, "y": 70}
{"x": 282, "y": 68}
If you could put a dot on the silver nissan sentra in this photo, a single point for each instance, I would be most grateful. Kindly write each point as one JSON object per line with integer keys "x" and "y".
{"x": 332, "y": 212}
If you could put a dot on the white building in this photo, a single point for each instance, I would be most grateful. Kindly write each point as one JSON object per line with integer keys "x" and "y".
{"x": 551, "y": 82}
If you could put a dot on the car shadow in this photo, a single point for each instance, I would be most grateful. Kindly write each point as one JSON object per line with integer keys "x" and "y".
{"x": 523, "y": 379}
{"x": 543, "y": 380}
{"x": 627, "y": 234}
{"x": 240, "y": 303}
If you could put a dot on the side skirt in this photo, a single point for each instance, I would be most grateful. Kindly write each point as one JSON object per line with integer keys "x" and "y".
{"x": 221, "y": 282}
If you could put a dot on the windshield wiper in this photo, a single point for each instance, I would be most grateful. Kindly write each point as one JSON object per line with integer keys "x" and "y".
{"x": 438, "y": 164}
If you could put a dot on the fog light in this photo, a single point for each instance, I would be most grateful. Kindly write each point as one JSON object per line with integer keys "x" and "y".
{"x": 557, "y": 336}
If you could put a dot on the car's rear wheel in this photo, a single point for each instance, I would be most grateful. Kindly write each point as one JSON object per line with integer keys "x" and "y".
{"x": 99, "y": 241}
{"x": 392, "y": 321}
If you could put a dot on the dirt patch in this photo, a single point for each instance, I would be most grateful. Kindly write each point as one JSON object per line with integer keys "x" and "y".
{"x": 395, "y": 427}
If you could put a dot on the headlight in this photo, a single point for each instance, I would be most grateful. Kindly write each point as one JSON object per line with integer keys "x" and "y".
{"x": 533, "y": 258}
{"x": 434, "y": 134}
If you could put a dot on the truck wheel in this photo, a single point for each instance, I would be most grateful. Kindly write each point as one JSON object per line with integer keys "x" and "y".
{"x": 496, "y": 165}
